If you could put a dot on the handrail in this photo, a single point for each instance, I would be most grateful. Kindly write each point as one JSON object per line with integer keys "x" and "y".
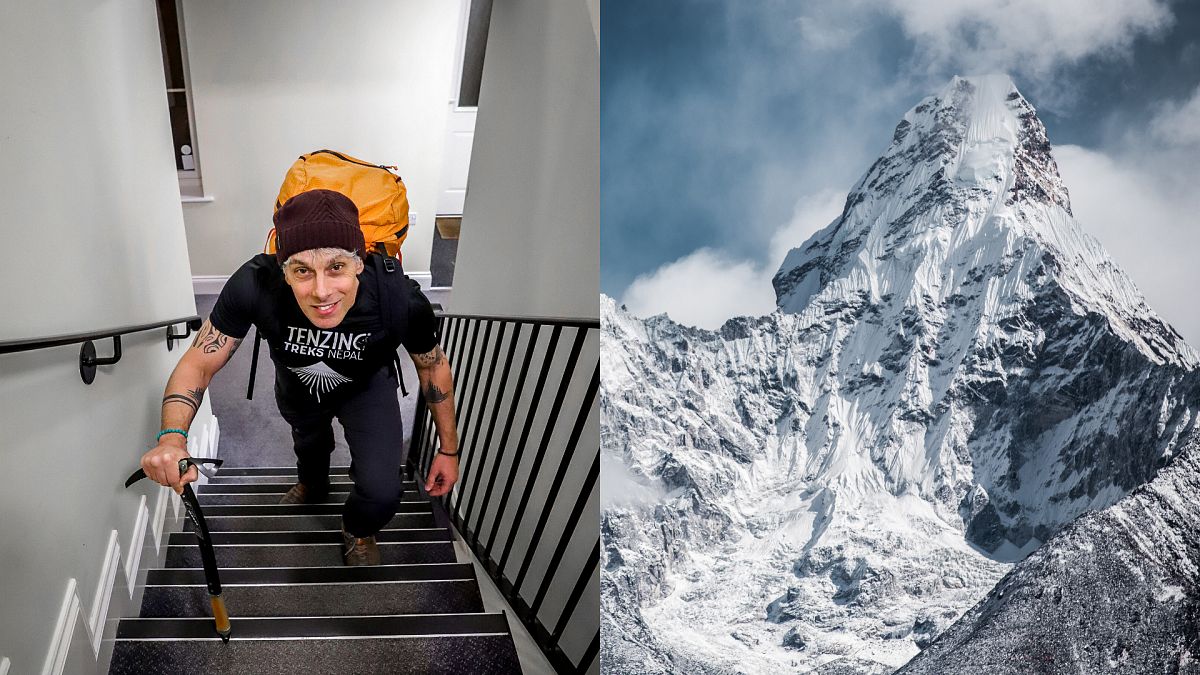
{"x": 88, "y": 360}
{"x": 27, "y": 345}
{"x": 564, "y": 321}
{"x": 507, "y": 412}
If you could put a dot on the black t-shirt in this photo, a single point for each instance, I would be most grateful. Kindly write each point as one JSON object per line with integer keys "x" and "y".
{"x": 318, "y": 366}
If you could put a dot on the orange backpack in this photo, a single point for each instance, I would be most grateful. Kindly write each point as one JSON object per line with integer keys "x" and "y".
{"x": 380, "y": 195}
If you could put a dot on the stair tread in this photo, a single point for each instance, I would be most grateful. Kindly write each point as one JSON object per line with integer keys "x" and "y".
{"x": 317, "y": 537}
{"x": 306, "y": 555}
{"x": 273, "y": 470}
{"x": 248, "y": 628}
{"x": 332, "y": 598}
{"x": 300, "y": 575}
{"x": 297, "y": 509}
{"x": 477, "y": 654}
{"x": 236, "y": 486}
{"x": 401, "y": 521}
{"x": 274, "y": 499}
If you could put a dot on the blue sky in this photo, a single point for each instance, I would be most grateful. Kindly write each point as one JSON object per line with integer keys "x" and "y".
{"x": 732, "y": 130}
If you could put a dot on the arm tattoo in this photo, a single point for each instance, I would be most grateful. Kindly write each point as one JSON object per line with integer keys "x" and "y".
{"x": 210, "y": 340}
{"x": 431, "y": 358}
{"x": 433, "y": 394}
{"x": 192, "y": 399}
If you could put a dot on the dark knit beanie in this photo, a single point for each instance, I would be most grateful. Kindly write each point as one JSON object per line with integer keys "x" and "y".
{"x": 317, "y": 219}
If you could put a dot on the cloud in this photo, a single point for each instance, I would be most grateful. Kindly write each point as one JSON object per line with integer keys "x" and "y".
{"x": 1178, "y": 122}
{"x": 733, "y": 118}
{"x": 621, "y": 487}
{"x": 707, "y": 287}
{"x": 1144, "y": 212}
{"x": 812, "y": 213}
{"x": 702, "y": 289}
{"x": 1031, "y": 36}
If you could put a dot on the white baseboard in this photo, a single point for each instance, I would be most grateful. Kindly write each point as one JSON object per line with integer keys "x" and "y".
{"x": 211, "y": 284}
{"x": 104, "y": 588}
{"x": 60, "y": 643}
{"x": 134, "y": 559}
{"x": 423, "y": 278}
{"x": 98, "y": 626}
{"x": 160, "y": 517}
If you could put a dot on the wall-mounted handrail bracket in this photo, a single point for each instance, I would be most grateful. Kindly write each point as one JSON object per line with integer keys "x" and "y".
{"x": 87, "y": 353}
{"x": 172, "y": 336}
{"x": 88, "y": 361}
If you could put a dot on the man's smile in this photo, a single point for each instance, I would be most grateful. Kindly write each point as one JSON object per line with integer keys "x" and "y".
{"x": 326, "y": 310}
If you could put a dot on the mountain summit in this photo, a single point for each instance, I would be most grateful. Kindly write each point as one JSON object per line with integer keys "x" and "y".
{"x": 956, "y": 371}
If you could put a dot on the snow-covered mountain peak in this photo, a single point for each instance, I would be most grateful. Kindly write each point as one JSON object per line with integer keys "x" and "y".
{"x": 967, "y": 203}
{"x": 980, "y": 130}
{"x": 956, "y": 371}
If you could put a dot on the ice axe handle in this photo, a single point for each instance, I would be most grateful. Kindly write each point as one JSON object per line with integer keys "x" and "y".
{"x": 193, "y": 461}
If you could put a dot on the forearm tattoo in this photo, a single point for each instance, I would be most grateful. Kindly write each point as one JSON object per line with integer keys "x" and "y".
{"x": 209, "y": 340}
{"x": 434, "y": 394}
{"x": 192, "y": 399}
{"x": 431, "y": 358}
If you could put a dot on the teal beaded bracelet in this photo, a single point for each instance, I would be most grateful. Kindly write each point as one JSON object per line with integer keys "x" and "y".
{"x": 164, "y": 432}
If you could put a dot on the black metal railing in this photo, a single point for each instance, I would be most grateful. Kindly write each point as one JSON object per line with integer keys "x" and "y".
{"x": 527, "y": 503}
{"x": 88, "y": 359}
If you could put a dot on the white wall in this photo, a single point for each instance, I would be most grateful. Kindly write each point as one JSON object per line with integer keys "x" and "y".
{"x": 88, "y": 181}
{"x": 273, "y": 79}
{"x": 94, "y": 234}
{"x": 530, "y": 241}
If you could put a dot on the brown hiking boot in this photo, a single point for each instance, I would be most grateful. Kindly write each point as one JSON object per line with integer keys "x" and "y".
{"x": 300, "y": 494}
{"x": 359, "y": 551}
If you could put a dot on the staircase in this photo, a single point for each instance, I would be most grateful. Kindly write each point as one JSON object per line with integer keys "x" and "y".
{"x": 295, "y": 608}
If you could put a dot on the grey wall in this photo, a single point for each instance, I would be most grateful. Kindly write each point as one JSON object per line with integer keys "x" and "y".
{"x": 530, "y": 241}
{"x": 273, "y": 79}
{"x": 94, "y": 234}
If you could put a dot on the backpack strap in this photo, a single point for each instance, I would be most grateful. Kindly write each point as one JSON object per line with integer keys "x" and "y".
{"x": 253, "y": 366}
{"x": 387, "y": 265}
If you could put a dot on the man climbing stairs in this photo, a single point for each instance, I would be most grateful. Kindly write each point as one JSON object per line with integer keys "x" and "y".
{"x": 295, "y": 608}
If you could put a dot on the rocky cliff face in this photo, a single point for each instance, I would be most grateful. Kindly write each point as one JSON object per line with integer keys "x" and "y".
{"x": 1118, "y": 590}
{"x": 955, "y": 372}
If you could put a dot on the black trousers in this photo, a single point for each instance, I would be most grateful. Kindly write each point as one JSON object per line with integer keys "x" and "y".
{"x": 371, "y": 421}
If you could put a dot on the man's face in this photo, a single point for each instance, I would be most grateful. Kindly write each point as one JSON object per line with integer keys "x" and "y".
{"x": 324, "y": 285}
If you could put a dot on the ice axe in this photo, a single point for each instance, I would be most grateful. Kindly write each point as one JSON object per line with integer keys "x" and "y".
{"x": 192, "y": 505}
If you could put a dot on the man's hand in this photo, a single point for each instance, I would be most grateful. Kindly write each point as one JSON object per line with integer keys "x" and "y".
{"x": 443, "y": 474}
{"x": 162, "y": 463}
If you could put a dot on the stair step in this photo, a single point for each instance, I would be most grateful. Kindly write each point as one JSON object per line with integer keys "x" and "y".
{"x": 237, "y": 498}
{"x": 479, "y": 654}
{"x": 306, "y": 555}
{"x": 273, "y": 478}
{"x": 260, "y": 628}
{"x": 273, "y": 471}
{"x": 216, "y": 511}
{"x": 332, "y": 598}
{"x": 241, "y": 486}
{"x": 277, "y": 538}
{"x": 182, "y": 576}
{"x": 402, "y": 521}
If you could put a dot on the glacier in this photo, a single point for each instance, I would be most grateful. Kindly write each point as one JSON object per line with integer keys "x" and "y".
{"x": 956, "y": 370}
